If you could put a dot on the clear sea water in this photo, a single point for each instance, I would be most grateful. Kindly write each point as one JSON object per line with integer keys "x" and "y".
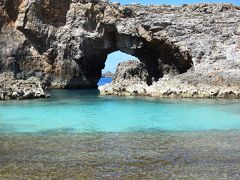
{"x": 77, "y": 134}
{"x": 77, "y": 111}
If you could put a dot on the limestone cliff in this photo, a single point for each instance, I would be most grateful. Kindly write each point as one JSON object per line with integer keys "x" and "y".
{"x": 65, "y": 43}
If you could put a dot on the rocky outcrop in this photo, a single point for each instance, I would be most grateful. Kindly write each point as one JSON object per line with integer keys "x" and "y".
{"x": 130, "y": 80}
{"x": 11, "y": 88}
{"x": 65, "y": 43}
{"x": 131, "y": 72}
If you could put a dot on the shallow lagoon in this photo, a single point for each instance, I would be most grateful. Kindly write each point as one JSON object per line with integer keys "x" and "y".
{"x": 78, "y": 111}
{"x": 79, "y": 134}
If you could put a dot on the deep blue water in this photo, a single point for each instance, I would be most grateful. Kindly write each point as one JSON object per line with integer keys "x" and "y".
{"x": 104, "y": 80}
{"x": 85, "y": 111}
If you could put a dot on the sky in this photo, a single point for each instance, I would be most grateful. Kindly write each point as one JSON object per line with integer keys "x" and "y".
{"x": 117, "y": 57}
{"x": 114, "y": 58}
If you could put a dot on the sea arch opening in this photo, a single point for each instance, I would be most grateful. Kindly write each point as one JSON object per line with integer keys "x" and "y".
{"x": 111, "y": 64}
{"x": 79, "y": 62}
{"x": 159, "y": 56}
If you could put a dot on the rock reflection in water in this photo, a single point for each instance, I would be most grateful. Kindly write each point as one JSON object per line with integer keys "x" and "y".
{"x": 174, "y": 155}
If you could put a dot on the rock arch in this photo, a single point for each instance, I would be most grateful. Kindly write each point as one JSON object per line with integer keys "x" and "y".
{"x": 160, "y": 56}
{"x": 74, "y": 47}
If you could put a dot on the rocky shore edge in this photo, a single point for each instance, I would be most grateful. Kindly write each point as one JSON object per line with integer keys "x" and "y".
{"x": 16, "y": 89}
{"x": 131, "y": 80}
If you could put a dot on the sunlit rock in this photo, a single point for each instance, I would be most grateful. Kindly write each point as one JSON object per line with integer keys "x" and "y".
{"x": 65, "y": 43}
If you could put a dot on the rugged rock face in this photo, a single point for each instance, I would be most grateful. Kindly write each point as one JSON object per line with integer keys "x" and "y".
{"x": 130, "y": 80}
{"x": 65, "y": 43}
{"x": 10, "y": 88}
{"x": 131, "y": 71}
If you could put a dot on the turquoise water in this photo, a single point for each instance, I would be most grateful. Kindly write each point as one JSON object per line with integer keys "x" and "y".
{"x": 79, "y": 111}
{"x": 77, "y": 134}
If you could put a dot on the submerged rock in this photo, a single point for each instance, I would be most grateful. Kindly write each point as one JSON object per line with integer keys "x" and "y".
{"x": 65, "y": 43}
{"x": 11, "y": 88}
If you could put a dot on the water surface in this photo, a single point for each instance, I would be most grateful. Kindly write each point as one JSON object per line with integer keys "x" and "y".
{"x": 78, "y": 111}
{"x": 77, "y": 134}
{"x": 166, "y": 155}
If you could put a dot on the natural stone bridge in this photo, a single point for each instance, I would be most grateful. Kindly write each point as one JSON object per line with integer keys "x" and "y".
{"x": 65, "y": 43}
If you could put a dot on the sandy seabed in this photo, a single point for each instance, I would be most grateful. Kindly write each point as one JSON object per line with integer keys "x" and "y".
{"x": 155, "y": 155}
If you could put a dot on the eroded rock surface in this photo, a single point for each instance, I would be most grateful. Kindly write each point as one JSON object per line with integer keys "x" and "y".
{"x": 130, "y": 80}
{"x": 65, "y": 43}
{"x": 11, "y": 88}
